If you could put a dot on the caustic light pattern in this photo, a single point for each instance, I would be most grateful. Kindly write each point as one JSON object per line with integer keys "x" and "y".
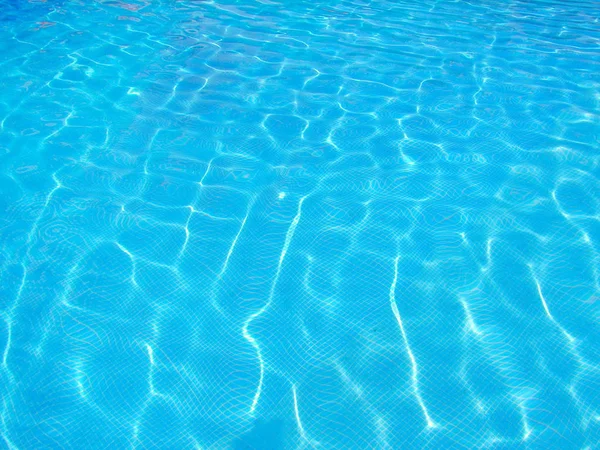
{"x": 277, "y": 224}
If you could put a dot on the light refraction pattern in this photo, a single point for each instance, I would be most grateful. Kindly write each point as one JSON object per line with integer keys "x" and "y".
{"x": 277, "y": 224}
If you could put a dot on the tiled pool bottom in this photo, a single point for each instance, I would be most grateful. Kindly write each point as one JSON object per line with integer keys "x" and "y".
{"x": 299, "y": 224}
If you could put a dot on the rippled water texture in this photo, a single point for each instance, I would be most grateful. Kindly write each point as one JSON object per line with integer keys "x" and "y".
{"x": 267, "y": 224}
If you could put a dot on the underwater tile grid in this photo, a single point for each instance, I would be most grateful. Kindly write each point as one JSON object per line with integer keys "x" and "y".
{"x": 276, "y": 224}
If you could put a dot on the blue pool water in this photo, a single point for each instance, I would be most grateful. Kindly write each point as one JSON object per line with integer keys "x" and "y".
{"x": 276, "y": 224}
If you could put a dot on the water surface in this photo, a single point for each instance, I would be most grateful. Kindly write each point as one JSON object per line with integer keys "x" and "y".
{"x": 299, "y": 224}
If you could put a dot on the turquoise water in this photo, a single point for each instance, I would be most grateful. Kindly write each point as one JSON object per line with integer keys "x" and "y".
{"x": 299, "y": 224}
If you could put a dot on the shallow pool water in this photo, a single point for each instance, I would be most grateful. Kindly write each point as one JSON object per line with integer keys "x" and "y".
{"x": 276, "y": 224}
